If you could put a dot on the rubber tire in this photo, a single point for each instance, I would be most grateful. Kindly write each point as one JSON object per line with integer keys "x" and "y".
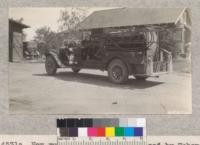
{"x": 76, "y": 70}
{"x": 142, "y": 78}
{"x": 122, "y": 65}
{"x": 53, "y": 69}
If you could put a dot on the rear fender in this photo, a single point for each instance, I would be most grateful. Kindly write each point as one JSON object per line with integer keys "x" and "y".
{"x": 56, "y": 58}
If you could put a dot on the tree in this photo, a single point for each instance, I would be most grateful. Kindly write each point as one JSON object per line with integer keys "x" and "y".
{"x": 46, "y": 39}
{"x": 69, "y": 18}
{"x": 20, "y": 20}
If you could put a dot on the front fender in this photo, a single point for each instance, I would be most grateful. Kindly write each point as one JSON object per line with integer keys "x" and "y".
{"x": 56, "y": 58}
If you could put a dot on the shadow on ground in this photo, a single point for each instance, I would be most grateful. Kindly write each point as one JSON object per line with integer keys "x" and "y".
{"x": 101, "y": 80}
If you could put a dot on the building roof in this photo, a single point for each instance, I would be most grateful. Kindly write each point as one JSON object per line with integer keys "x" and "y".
{"x": 121, "y": 17}
{"x": 18, "y": 23}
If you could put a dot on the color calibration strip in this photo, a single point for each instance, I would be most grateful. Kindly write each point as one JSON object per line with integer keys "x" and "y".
{"x": 108, "y": 127}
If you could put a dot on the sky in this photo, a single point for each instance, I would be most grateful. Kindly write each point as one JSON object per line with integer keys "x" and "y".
{"x": 39, "y": 17}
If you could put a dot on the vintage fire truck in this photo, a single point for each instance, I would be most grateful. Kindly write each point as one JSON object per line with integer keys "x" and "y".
{"x": 117, "y": 44}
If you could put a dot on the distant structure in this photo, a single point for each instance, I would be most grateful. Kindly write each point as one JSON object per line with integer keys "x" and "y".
{"x": 16, "y": 40}
{"x": 29, "y": 49}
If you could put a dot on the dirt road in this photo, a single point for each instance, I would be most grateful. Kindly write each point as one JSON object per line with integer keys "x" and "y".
{"x": 31, "y": 91}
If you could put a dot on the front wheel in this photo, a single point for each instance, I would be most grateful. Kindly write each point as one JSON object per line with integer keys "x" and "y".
{"x": 50, "y": 65}
{"x": 118, "y": 71}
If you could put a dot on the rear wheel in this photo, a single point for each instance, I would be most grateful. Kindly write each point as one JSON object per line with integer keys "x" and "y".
{"x": 76, "y": 70}
{"x": 118, "y": 71}
{"x": 50, "y": 65}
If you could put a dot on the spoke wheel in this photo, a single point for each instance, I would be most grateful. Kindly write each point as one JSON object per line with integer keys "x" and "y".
{"x": 118, "y": 71}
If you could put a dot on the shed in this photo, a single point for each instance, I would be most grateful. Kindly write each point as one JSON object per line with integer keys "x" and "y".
{"x": 16, "y": 40}
{"x": 123, "y": 17}
{"x": 120, "y": 18}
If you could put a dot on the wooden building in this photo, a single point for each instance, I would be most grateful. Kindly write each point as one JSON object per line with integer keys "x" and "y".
{"x": 176, "y": 21}
{"x": 16, "y": 40}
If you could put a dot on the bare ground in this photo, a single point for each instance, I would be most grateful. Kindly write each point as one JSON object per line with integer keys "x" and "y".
{"x": 31, "y": 91}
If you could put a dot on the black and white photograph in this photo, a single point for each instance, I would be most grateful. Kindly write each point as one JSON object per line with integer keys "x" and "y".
{"x": 99, "y": 60}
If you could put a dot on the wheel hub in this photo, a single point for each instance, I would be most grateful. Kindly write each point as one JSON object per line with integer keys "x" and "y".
{"x": 117, "y": 72}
